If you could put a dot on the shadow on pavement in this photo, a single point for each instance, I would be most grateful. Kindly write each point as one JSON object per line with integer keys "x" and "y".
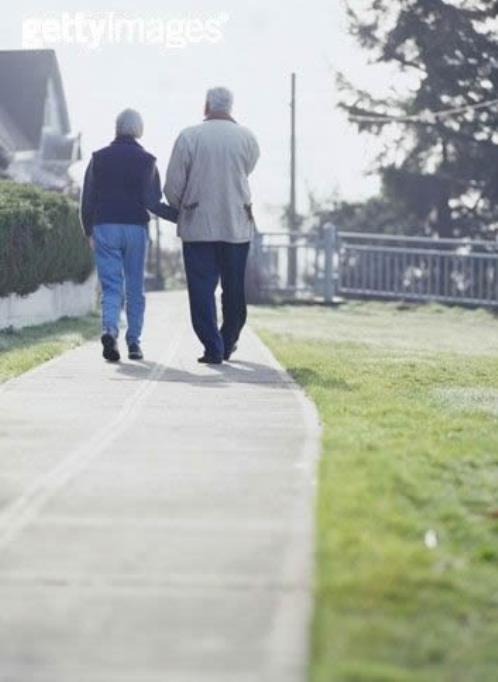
{"x": 240, "y": 372}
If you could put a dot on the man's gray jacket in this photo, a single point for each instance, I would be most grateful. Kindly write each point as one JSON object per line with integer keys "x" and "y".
{"x": 207, "y": 180}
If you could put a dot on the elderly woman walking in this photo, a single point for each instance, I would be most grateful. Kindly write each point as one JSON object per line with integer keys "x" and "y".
{"x": 121, "y": 186}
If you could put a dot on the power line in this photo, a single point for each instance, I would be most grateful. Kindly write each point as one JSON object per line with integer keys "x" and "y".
{"x": 427, "y": 116}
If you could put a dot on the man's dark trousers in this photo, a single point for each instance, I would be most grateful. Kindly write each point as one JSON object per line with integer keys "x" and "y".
{"x": 206, "y": 263}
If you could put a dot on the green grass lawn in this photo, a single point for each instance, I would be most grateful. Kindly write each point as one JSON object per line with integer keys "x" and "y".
{"x": 22, "y": 350}
{"x": 407, "y": 511}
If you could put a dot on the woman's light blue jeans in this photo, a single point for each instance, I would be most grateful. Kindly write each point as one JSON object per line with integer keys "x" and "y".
{"x": 120, "y": 252}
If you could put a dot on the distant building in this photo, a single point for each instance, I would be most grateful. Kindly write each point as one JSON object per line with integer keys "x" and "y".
{"x": 36, "y": 144}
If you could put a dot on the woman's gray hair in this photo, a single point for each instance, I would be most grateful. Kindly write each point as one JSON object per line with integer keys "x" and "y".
{"x": 129, "y": 122}
{"x": 220, "y": 100}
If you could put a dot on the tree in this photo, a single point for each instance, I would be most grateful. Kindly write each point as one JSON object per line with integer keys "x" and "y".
{"x": 374, "y": 215}
{"x": 447, "y": 177}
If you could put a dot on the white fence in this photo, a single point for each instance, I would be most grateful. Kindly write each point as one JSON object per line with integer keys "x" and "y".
{"x": 48, "y": 304}
{"x": 327, "y": 263}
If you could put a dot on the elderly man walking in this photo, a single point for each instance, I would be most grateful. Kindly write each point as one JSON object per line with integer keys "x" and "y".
{"x": 207, "y": 180}
{"x": 121, "y": 186}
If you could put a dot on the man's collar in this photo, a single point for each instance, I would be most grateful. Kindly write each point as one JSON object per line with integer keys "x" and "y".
{"x": 219, "y": 116}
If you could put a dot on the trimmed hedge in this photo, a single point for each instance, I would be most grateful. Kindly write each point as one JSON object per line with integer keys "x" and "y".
{"x": 41, "y": 241}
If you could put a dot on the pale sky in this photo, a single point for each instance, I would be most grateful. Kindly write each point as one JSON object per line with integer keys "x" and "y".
{"x": 262, "y": 44}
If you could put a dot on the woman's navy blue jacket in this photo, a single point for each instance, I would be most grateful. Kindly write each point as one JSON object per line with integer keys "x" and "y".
{"x": 122, "y": 185}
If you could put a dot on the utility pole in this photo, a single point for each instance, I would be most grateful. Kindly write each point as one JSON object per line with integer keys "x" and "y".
{"x": 292, "y": 254}
{"x": 160, "y": 283}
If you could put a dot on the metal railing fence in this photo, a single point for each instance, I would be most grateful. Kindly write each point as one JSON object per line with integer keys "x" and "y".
{"x": 334, "y": 264}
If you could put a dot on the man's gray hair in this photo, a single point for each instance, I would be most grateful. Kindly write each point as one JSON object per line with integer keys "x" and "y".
{"x": 220, "y": 100}
{"x": 129, "y": 122}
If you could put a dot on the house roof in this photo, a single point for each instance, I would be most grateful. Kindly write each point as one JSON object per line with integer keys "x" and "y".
{"x": 24, "y": 78}
{"x": 11, "y": 137}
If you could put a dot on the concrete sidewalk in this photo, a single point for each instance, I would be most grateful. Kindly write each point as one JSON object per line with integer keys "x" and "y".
{"x": 156, "y": 518}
